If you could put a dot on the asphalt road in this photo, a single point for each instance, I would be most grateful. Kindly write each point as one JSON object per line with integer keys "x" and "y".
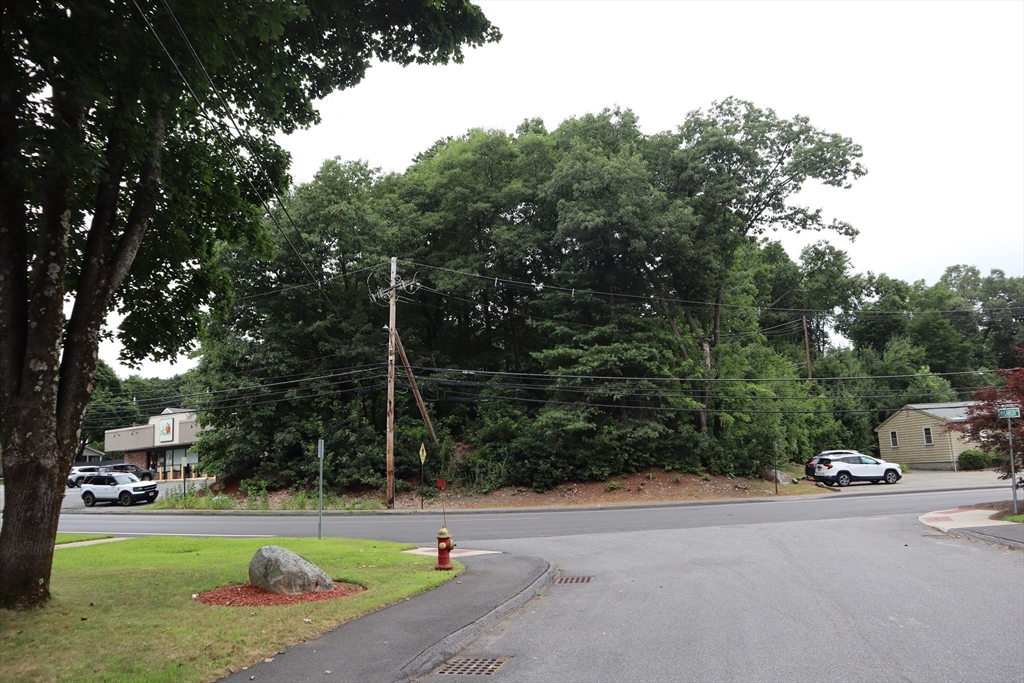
{"x": 546, "y": 523}
{"x": 877, "y": 597}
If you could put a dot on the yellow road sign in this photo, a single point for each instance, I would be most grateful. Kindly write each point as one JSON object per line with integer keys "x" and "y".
{"x": 423, "y": 453}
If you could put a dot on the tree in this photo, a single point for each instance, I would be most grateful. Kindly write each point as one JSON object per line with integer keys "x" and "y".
{"x": 109, "y": 135}
{"x": 739, "y": 167}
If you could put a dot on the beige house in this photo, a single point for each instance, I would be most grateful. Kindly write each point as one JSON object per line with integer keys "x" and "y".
{"x": 163, "y": 445}
{"x": 916, "y": 435}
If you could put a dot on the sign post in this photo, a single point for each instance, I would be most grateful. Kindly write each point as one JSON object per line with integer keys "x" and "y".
{"x": 320, "y": 519}
{"x": 1010, "y": 413}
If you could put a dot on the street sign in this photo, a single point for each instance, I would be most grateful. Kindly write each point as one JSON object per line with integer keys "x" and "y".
{"x": 1005, "y": 413}
{"x": 423, "y": 453}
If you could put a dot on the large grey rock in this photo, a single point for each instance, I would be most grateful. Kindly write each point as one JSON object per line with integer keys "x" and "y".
{"x": 778, "y": 475}
{"x": 278, "y": 570}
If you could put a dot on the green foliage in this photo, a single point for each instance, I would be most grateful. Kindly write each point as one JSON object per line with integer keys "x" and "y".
{"x": 614, "y": 485}
{"x": 974, "y": 460}
{"x": 588, "y": 302}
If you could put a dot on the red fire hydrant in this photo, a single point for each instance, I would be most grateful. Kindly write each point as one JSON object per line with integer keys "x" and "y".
{"x": 444, "y": 549}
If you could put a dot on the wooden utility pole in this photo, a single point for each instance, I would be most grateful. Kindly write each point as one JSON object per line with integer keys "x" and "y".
{"x": 391, "y": 386}
{"x": 807, "y": 347}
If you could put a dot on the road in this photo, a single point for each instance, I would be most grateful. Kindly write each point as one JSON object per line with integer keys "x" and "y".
{"x": 877, "y": 597}
{"x": 545, "y": 523}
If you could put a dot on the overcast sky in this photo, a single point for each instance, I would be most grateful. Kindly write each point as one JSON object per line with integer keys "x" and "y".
{"x": 932, "y": 91}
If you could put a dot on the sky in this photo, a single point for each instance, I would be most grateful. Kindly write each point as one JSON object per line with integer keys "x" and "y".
{"x": 932, "y": 91}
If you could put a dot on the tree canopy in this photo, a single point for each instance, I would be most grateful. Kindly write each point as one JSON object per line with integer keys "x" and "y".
{"x": 135, "y": 140}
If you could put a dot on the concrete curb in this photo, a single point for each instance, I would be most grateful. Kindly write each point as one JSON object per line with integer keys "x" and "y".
{"x": 986, "y": 538}
{"x": 448, "y": 647}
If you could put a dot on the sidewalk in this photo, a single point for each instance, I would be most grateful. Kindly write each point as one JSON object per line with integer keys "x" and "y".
{"x": 412, "y": 637}
{"x": 977, "y": 525}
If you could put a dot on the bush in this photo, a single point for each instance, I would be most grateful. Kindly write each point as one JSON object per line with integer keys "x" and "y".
{"x": 974, "y": 460}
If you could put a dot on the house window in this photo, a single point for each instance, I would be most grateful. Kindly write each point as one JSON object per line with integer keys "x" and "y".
{"x": 927, "y": 436}
{"x": 893, "y": 441}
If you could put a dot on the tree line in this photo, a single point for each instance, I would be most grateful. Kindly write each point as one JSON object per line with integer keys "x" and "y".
{"x": 579, "y": 303}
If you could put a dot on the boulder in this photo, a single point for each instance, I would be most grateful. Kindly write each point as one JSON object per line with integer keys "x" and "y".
{"x": 278, "y": 570}
{"x": 778, "y": 475}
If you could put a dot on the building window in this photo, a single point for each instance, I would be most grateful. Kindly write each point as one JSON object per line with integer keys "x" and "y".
{"x": 893, "y": 441}
{"x": 927, "y": 436}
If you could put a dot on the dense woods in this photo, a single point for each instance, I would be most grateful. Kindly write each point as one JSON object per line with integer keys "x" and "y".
{"x": 579, "y": 303}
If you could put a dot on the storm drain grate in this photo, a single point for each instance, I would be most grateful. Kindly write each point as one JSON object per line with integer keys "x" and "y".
{"x": 472, "y": 666}
{"x": 574, "y": 579}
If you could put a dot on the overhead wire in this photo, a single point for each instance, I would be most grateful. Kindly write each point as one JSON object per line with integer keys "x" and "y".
{"x": 216, "y": 130}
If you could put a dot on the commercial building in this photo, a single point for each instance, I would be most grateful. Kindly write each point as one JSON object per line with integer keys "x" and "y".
{"x": 164, "y": 444}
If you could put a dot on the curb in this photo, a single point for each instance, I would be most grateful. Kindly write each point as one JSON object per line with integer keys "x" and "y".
{"x": 986, "y": 538}
{"x": 448, "y": 647}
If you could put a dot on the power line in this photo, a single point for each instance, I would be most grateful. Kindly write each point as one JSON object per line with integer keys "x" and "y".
{"x": 242, "y": 137}
{"x": 540, "y": 287}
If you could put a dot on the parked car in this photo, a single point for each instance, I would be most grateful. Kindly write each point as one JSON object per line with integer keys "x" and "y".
{"x": 120, "y": 487}
{"x": 143, "y": 474}
{"x": 809, "y": 468}
{"x": 845, "y": 469}
{"x": 79, "y": 473}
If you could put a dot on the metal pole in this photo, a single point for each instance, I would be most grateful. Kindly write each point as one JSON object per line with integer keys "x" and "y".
{"x": 391, "y": 388}
{"x": 776, "y": 477}
{"x": 320, "y": 520}
{"x": 1013, "y": 467}
{"x": 807, "y": 347}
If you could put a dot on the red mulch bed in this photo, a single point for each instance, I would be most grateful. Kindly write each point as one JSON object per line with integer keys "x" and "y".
{"x": 247, "y": 595}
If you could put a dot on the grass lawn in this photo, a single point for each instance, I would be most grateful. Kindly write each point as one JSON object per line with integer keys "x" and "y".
{"x": 75, "y": 538}
{"x": 124, "y": 611}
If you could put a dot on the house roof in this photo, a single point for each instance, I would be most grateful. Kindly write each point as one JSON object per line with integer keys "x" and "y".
{"x": 950, "y": 412}
{"x": 955, "y": 411}
{"x": 174, "y": 411}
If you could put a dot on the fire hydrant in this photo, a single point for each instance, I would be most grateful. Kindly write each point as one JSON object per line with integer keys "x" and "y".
{"x": 444, "y": 549}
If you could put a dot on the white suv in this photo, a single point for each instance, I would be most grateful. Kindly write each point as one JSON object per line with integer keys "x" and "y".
{"x": 81, "y": 472}
{"x": 119, "y": 487}
{"x": 842, "y": 469}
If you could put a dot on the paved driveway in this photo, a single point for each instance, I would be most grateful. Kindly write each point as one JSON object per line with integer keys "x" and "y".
{"x": 868, "y": 599}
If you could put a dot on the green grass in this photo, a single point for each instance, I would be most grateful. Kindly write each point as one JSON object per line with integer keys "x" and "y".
{"x": 1014, "y": 518}
{"x": 75, "y": 538}
{"x": 123, "y": 611}
{"x": 199, "y": 497}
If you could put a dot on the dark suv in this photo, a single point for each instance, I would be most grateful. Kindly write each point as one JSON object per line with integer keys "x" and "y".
{"x": 144, "y": 475}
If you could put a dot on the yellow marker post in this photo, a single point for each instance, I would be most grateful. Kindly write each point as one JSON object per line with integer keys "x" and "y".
{"x": 423, "y": 459}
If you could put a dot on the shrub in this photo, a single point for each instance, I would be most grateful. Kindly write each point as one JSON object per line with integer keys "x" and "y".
{"x": 974, "y": 460}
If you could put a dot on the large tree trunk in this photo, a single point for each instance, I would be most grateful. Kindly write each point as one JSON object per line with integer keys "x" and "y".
{"x": 35, "y": 475}
{"x": 47, "y": 378}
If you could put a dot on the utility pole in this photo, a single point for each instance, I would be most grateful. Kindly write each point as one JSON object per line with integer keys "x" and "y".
{"x": 807, "y": 347}
{"x": 391, "y": 386}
